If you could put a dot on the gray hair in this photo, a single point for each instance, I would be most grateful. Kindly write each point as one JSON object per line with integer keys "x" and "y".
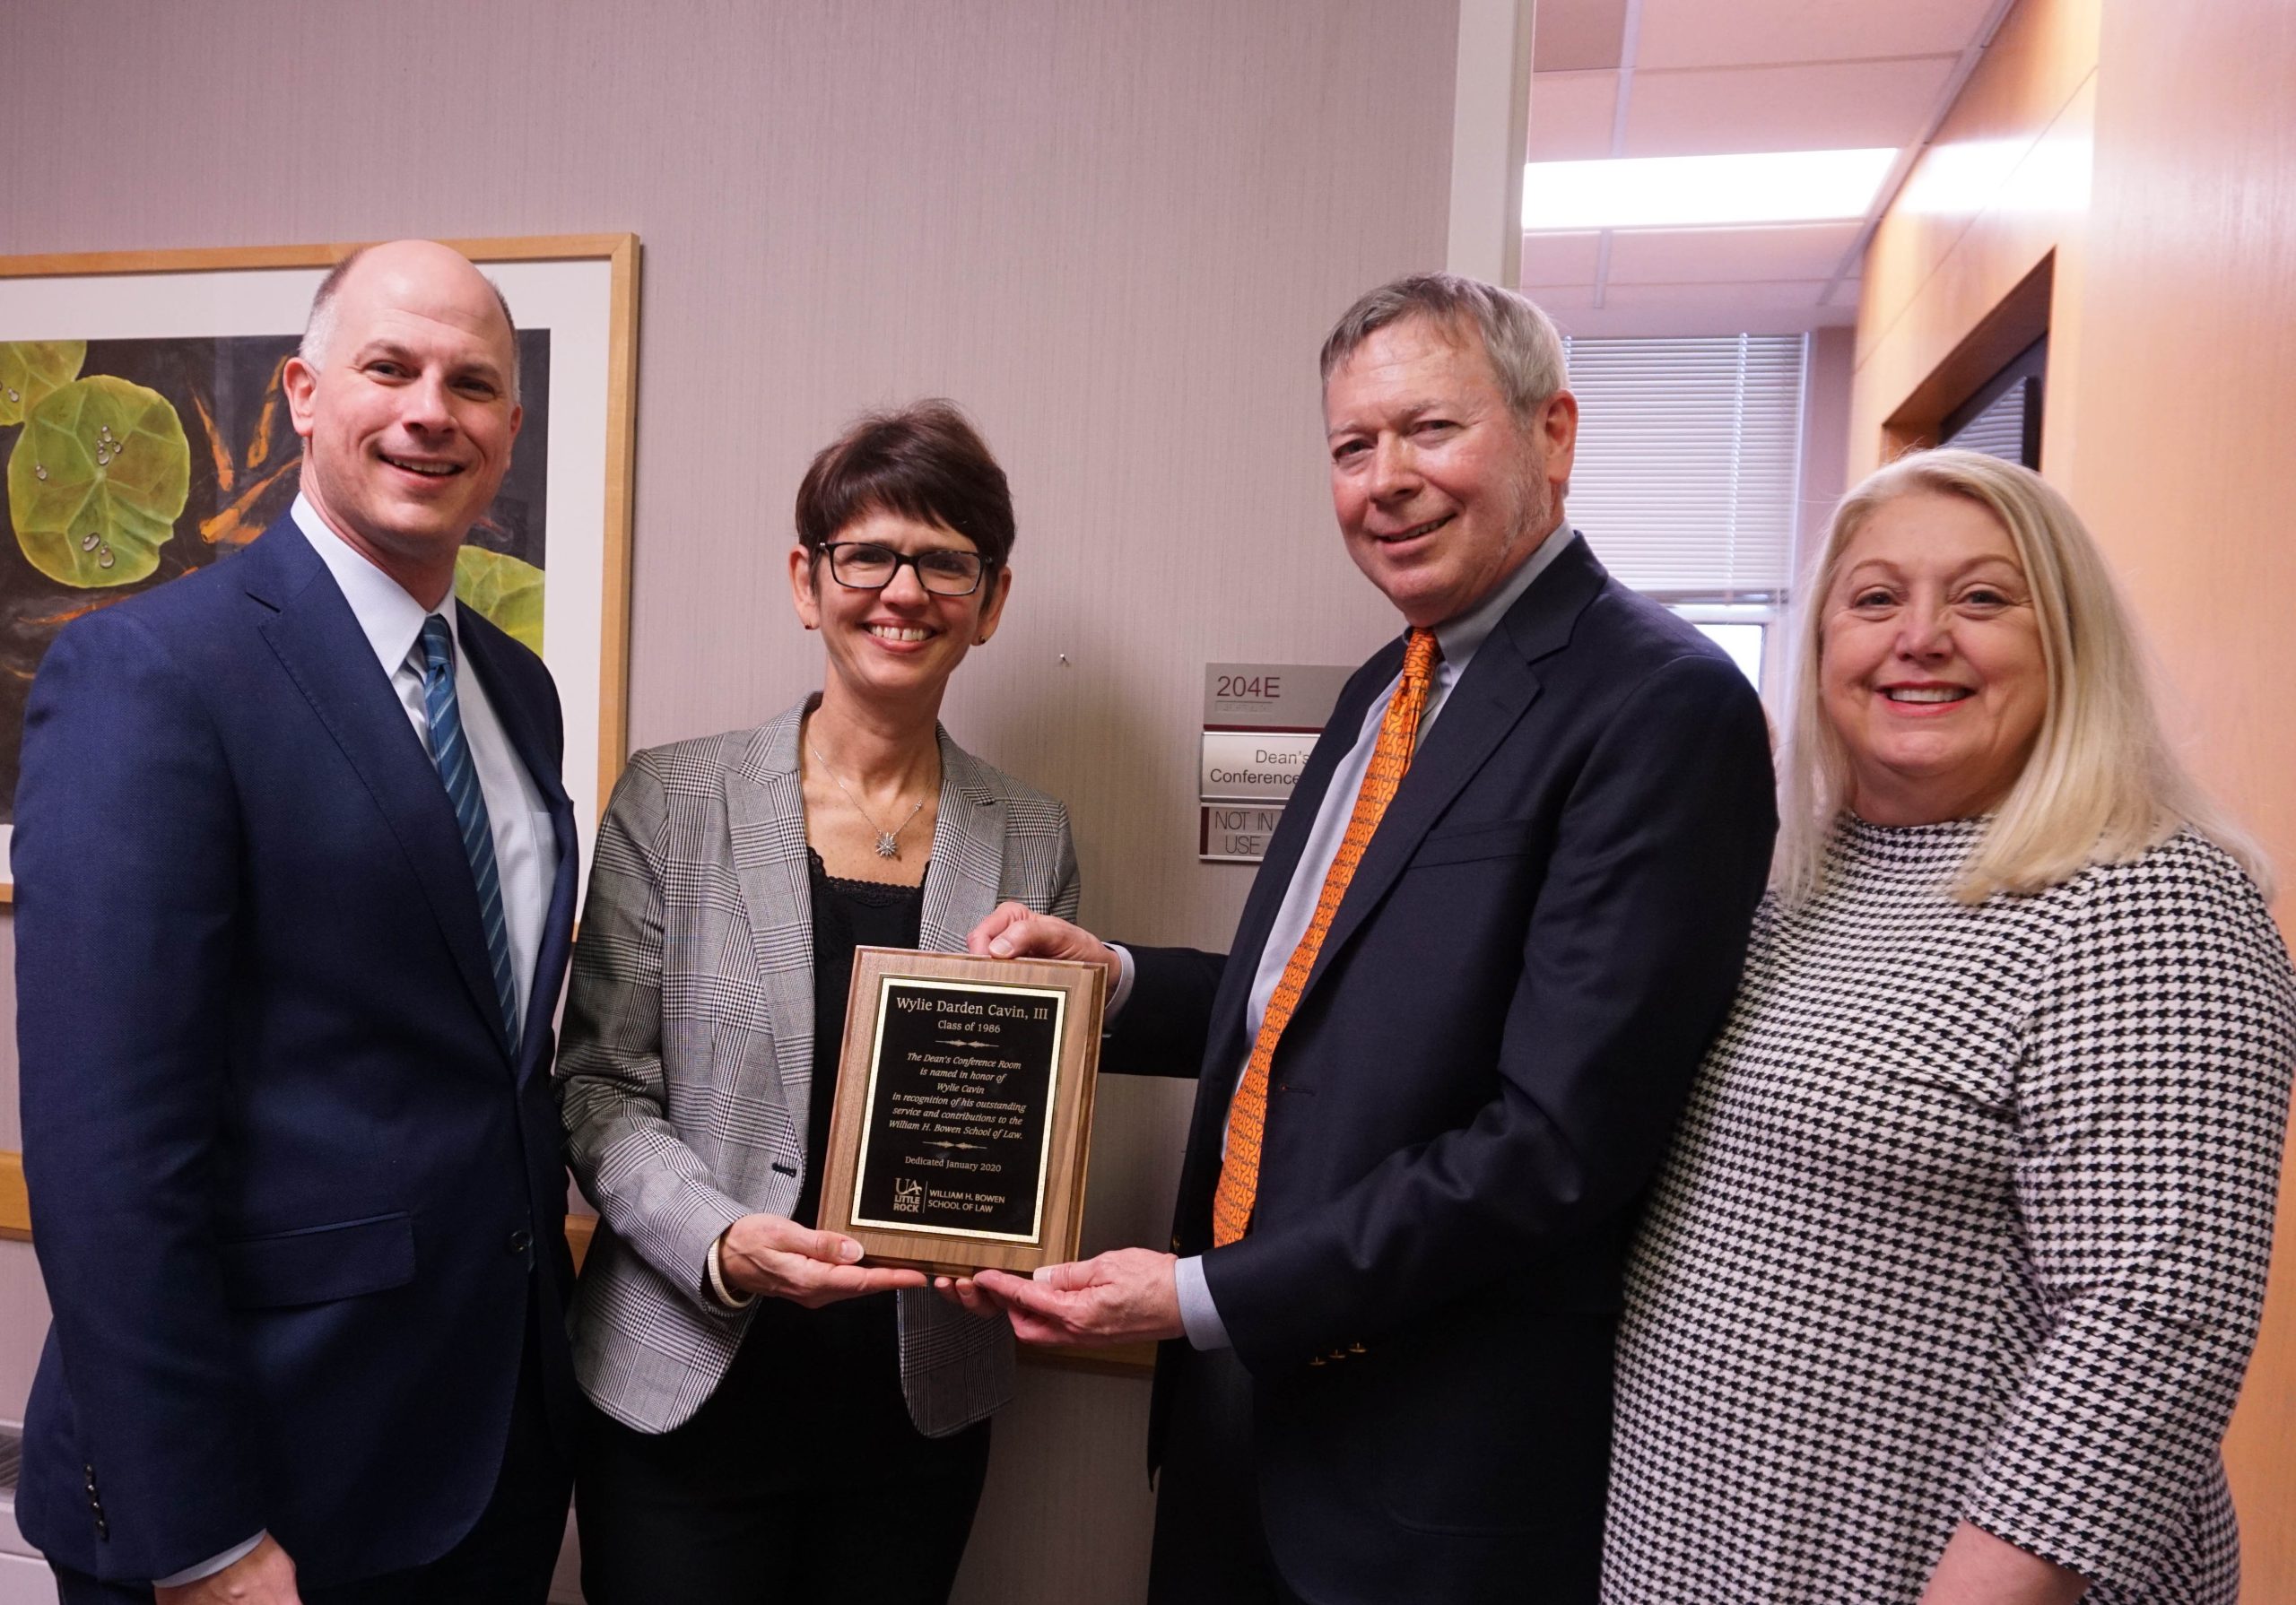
{"x": 318, "y": 329}
{"x": 1525, "y": 350}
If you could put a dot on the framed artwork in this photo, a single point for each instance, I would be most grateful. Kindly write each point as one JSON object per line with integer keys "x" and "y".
{"x": 144, "y": 433}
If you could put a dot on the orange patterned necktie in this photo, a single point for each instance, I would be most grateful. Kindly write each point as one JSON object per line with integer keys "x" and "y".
{"x": 1232, "y": 1205}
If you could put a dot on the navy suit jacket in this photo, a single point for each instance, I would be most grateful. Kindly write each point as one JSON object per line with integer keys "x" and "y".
{"x": 1479, "y": 1078}
{"x": 291, "y": 1193}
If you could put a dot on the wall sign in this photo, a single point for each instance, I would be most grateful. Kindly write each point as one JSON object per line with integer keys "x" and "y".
{"x": 1235, "y": 834}
{"x": 1260, "y": 723}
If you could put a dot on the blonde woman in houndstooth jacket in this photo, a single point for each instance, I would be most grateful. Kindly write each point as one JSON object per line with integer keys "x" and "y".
{"x": 1946, "y": 1290}
{"x": 770, "y": 1419}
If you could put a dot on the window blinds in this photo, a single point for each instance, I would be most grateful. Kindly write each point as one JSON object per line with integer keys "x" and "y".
{"x": 2001, "y": 430}
{"x": 1689, "y": 453}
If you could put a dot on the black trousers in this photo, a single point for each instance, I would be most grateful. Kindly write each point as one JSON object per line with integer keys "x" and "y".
{"x": 1211, "y": 1543}
{"x": 801, "y": 1479}
{"x": 506, "y": 1558}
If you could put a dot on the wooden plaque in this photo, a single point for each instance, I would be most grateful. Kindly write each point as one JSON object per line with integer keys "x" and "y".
{"x": 964, "y": 1109}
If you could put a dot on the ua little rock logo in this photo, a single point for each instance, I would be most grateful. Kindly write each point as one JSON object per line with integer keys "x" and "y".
{"x": 908, "y": 1196}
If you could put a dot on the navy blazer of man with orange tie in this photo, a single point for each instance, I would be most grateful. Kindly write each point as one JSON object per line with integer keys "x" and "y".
{"x": 1395, "y": 1383}
{"x": 294, "y": 1159}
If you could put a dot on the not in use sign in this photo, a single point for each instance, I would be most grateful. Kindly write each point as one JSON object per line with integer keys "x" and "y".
{"x": 1236, "y": 835}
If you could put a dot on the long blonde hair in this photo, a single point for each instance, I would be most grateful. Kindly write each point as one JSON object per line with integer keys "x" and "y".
{"x": 2102, "y": 786}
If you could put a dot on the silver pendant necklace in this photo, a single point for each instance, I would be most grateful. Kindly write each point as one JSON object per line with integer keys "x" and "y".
{"x": 888, "y": 841}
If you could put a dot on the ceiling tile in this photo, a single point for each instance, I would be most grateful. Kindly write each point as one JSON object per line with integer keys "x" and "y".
{"x": 1570, "y": 115}
{"x": 1699, "y": 33}
{"x": 1562, "y": 258}
{"x": 1841, "y": 106}
{"x": 1572, "y": 35}
{"x": 1557, "y": 298}
{"x": 1708, "y": 298}
{"x": 1718, "y": 255}
{"x": 1643, "y": 322}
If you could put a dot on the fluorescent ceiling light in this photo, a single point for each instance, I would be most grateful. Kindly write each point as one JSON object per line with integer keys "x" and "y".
{"x": 2019, "y": 176}
{"x": 1663, "y": 192}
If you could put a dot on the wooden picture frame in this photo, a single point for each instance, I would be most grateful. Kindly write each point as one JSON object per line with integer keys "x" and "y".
{"x": 962, "y": 1124}
{"x": 213, "y": 323}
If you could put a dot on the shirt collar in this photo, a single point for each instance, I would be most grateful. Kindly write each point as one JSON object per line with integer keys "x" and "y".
{"x": 1463, "y": 636}
{"x": 389, "y": 618}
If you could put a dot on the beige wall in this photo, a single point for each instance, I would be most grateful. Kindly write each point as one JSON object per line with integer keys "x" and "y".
{"x": 1984, "y": 209}
{"x": 2187, "y": 400}
{"x": 1116, "y": 232}
{"x": 2170, "y": 407}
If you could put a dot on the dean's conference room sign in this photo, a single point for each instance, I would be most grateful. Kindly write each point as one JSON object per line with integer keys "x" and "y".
{"x": 1260, "y": 722}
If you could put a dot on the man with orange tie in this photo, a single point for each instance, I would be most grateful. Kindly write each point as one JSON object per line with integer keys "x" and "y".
{"x": 1501, "y": 919}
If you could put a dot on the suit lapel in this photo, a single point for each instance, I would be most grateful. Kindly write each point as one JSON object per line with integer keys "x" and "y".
{"x": 319, "y": 642}
{"x": 765, "y": 814}
{"x": 765, "y": 818}
{"x": 1492, "y": 698}
{"x": 487, "y": 653}
{"x": 1225, "y": 1046}
{"x": 968, "y": 865}
{"x": 487, "y": 650}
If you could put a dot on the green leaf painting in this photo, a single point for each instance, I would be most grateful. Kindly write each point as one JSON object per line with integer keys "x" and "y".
{"x": 30, "y": 368}
{"x": 131, "y": 462}
{"x": 96, "y": 480}
{"x": 507, "y": 592}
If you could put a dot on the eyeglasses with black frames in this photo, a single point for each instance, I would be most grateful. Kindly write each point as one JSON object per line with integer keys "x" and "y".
{"x": 866, "y": 565}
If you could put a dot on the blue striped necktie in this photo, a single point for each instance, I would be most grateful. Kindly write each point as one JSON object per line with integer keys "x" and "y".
{"x": 452, "y": 752}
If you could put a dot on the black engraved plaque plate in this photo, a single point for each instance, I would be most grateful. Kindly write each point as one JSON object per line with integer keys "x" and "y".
{"x": 958, "y": 1106}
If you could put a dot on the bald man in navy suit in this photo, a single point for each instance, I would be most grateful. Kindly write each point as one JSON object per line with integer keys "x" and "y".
{"x": 295, "y": 878}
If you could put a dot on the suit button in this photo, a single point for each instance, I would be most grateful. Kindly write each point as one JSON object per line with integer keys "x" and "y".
{"x": 521, "y": 1240}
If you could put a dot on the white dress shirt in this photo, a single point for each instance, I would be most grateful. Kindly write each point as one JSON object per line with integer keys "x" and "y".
{"x": 1460, "y": 638}
{"x": 525, "y": 849}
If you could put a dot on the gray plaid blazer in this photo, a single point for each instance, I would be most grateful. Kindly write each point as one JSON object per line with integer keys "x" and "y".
{"x": 687, "y": 1063}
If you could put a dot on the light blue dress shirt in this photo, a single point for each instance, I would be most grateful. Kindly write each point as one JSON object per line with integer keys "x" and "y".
{"x": 1460, "y": 638}
{"x": 526, "y": 850}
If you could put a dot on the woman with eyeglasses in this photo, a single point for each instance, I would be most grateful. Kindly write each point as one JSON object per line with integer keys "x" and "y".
{"x": 770, "y": 1419}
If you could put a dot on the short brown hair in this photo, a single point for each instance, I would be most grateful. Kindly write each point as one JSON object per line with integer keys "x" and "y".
{"x": 924, "y": 461}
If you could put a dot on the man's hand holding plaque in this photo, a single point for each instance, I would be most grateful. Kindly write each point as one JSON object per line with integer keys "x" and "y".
{"x": 1016, "y": 931}
{"x": 1126, "y": 1295}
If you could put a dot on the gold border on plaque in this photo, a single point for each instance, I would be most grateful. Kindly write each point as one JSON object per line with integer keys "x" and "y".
{"x": 1077, "y": 991}
{"x": 1052, "y": 1103}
